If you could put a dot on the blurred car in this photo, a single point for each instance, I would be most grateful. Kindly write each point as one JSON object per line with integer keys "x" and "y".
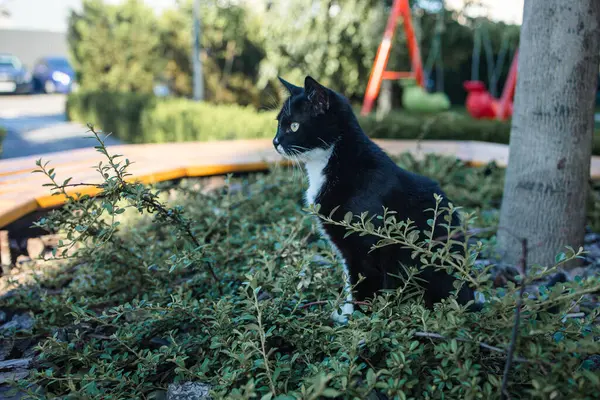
{"x": 14, "y": 77}
{"x": 53, "y": 75}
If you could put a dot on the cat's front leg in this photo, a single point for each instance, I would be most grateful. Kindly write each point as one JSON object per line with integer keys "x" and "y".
{"x": 371, "y": 281}
{"x": 343, "y": 312}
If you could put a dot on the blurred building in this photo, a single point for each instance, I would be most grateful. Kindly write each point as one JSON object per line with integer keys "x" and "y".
{"x": 30, "y": 31}
{"x": 29, "y": 45}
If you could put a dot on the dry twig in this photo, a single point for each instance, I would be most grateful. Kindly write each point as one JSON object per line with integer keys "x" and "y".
{"x": 515, "y": 329}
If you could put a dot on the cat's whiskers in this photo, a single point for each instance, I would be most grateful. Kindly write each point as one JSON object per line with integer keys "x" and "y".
{"x": 298, "y": 156}
{"x": 292, "y": 156}
{"x": 299, "y": 153}
{"x": 301, "y": 148}
{"x": 300, "y": 172}
{"x": 324, "y": 142}
{"x": 272, "y": 103}
{"x": 268, "y": 108}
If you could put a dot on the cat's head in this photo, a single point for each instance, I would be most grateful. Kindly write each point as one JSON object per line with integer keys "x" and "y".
{"x": 306, "y": 121}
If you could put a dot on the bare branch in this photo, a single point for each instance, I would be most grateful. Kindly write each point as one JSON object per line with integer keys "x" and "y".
{"x": 433, "y": 335}
{"x": 323, "y": 302}
{"x": 515, "y": 329}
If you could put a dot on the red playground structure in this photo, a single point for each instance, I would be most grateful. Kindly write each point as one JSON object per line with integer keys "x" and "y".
{"x": 400, "y": 8}
{"x": 482, "y": 105}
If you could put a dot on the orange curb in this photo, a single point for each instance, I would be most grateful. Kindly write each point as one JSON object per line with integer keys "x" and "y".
{"x": 17, "y": 212}
{"x": 21, "y": 192}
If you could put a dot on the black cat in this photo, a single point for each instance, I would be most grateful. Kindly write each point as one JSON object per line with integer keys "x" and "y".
{"x": 345, "y": 168}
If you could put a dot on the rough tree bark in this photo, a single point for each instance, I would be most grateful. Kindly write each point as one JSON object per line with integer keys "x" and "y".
{"x": 551, "y": 138}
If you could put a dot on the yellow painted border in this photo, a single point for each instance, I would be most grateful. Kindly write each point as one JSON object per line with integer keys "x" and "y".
{"x": 18, "y": 212}
{"x": 49, "y": 201}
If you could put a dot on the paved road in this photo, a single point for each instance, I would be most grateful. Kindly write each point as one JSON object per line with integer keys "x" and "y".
{"x": 37, "y": 124}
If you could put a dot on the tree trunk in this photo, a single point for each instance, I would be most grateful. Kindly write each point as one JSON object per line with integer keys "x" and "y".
{"x": 553, "y": 123}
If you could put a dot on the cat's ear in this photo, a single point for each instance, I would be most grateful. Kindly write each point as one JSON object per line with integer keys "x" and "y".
{"x": 294, "y": 90}
{"x": 317, "y": 95}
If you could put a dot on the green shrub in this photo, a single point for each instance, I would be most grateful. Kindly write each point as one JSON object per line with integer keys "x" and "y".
{"x": 119, "y": 113}
{"x": 442, "y": 126}
{"x": 135, "y": 306}
{"x": 139, "y": 118}
{"x": 180, "y": 120}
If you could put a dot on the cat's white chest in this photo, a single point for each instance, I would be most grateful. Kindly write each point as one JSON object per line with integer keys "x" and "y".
{"x": 315, "y": 162}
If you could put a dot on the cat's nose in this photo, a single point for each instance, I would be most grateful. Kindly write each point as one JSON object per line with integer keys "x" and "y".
{"x": 275, "y": 142}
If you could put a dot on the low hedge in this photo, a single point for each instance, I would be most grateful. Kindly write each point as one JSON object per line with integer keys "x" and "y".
{"x": 448, "y": 125}
{"x": 181, "y": 120}
{"x": 140, "y": 118}
{"x": 119, "y": 113}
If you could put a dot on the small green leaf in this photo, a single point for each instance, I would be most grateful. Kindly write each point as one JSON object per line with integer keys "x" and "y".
{"x": 371, "y": 378}
{"x": 348, "y": 217}
{"x": 413, "y": 345}
{"x": 412, "y": 236}
{"x": 329, "y": 392}
{"x": 333, "y": 211}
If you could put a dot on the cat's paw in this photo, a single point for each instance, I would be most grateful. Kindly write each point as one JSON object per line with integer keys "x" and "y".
{"x": 341, "y": 314}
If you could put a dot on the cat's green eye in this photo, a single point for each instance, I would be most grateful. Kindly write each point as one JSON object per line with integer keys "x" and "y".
{"x": 294, "y": 126}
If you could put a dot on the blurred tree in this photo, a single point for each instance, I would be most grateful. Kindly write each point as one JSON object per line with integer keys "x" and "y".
{"x": 547, "y": 179}
{"x": 332, "y": 40}
{"x": 114, "y": 47}
{"x": 126, "y": 47}
{"x": 229, "y": 56}
{"x": 336, "y": 41}
{"x": 247, "y": 44}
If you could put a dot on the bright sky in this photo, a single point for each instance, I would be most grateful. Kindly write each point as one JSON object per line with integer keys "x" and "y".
{"x": 52, "y": 14}
{"x": 510, "y": 11}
